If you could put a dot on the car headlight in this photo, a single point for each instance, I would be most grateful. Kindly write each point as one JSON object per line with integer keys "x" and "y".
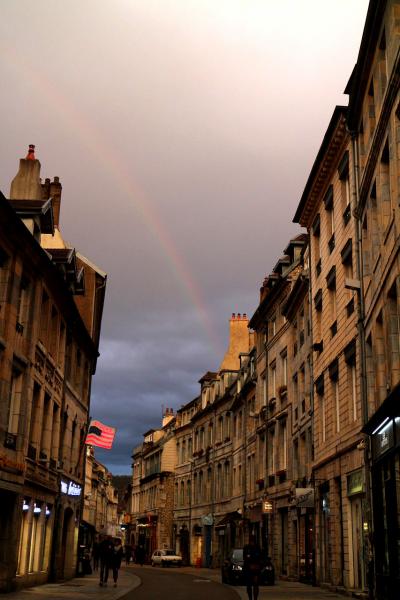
{"x": 237, "y": 568}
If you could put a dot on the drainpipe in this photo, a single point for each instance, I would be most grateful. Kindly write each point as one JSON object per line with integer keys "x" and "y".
{"x": 314, "y": 579}
{"x": 361, "y": 336}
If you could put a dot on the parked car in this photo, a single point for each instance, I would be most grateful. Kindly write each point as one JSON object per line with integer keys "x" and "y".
{"x": 165, "y": 558}
{"x": 232, "y": 570}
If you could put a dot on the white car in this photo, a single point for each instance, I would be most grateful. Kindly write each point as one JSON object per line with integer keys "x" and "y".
{"x": 165, "y": 558}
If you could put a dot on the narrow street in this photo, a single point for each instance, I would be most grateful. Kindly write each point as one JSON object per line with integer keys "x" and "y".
{"x": 159, "y": 584}
{"x": 201, "y": 584}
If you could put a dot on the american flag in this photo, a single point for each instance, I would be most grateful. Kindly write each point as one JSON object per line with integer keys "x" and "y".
{"x": 100, "y": 435}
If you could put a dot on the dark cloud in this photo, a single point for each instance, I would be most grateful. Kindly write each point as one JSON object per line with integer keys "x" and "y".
{"x": 183, "y": 134}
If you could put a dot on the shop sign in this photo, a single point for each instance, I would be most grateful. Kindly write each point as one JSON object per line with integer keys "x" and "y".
{"x": 207, "y": 519}
{"x": 12, "y": 466}
{"x": 70, "y": 489}
{"x": 383, "y": 437}
{"x": 303, "y": 498}
{"x": 355, "y": 483}
{"x": 267, "y": 506}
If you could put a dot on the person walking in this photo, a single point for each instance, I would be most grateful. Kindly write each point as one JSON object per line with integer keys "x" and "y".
{"x": 252, "y": 566}
{"x": 128, "y": 554}
{"x": 96, "y": 555}
{"x": 140, "y": 554}
{"x": 116, "y": 559}
{"x": 105, "y": 551}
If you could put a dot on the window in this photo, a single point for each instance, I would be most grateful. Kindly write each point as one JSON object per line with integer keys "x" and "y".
{"x": 273, "y": 379}
{"x": 384, "y": 185}
{"x": 14, "y": 408}
{"x": 330, "y": 213}
{"x": 284, "y": 367}
{"x": 44, "y": 318}
{"x": 23, "y": 305}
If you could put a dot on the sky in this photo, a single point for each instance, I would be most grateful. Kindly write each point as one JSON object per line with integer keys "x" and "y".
{"x": 183, "y": 133}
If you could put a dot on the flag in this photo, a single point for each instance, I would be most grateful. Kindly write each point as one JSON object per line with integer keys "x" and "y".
{"x": 100, "y": 435}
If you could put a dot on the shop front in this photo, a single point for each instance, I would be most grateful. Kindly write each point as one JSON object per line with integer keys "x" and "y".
{"x": 67, "y": 512}
{"x": 146, "y": 534}
{"x": 384, "y": 431}
{"x": 302, "y": 549}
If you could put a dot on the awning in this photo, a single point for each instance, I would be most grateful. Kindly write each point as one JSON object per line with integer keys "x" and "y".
{"x": 390, "y": 408}
{"x": 228, "y": 518}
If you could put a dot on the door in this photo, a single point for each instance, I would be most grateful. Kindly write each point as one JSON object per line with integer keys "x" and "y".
{"x": 357, "y": 546}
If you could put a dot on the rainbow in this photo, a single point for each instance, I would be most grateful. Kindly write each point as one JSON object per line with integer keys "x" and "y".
{"x": 114, "y": 165}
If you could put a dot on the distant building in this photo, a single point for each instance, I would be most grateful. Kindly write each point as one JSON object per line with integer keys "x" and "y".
{"x": 100, "y": 509}
{"x": 153, "y": 488}
{"x": 48, "y": 355}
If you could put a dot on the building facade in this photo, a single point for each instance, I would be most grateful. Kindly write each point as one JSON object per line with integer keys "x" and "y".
{"x": 373, "y": 120}
{"x": 47, "y": 359}
{"x": 100, "y": 508}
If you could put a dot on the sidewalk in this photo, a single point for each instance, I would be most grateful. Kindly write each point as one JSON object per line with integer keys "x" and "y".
{"x": 79, "y": 588}
{"x": 282, "y": 590}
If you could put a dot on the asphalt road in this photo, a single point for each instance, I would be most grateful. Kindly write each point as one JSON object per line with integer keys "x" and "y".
{"x": 166, "y": 584}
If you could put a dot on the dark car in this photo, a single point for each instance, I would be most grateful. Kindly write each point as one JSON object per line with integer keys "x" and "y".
{"x": 232, "y": 569}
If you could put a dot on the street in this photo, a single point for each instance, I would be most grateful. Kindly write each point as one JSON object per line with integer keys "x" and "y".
{"x": 200, "y": 584}
{"x": 160, "y": 584}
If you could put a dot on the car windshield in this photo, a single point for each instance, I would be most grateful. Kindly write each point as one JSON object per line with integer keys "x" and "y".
{"x": 237, "y": 554}
{"x": 169, "y": 552}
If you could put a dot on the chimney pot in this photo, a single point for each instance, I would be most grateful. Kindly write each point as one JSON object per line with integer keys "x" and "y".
{"x": 47, "y": 180}
{"x": 31, "y": 152}
{"x": 238, "y": 315}
{"x": 56, "y": 180}
{"x": 233, "y": 316}
{"x": 244, "y": 316}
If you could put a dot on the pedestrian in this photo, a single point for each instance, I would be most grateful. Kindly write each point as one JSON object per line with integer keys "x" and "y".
{"x": 116, "y": 559}
{"x": 128, "y": 554}
{"x": 140, "y": 554}
{"x": 96, "y": 555}
{"x": 106, "y": 551}
{"x": 252, "y": 566}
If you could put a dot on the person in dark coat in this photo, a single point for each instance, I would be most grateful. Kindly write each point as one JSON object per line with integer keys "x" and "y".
{"x": 128, "y": 553}
{"x": 140, "y": 554}
{"x": 106, "y": 552}
{"x": 116, "y": 559}
{"x": 96, "y": 555}
{"x": 252, "y": 566}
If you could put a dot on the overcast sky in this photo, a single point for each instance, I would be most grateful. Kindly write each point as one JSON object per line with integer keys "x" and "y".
{"x": 183, "y": 132}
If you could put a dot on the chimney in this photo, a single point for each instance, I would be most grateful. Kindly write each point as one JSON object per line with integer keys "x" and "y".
{"x": 26, "y": 184}
{"x": 53, "y": 190}
{"x": 239, "y": 341}
{"x": 168, "y": 416}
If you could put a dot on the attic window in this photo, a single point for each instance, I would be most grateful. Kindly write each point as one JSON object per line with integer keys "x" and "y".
{"x": 343, "y": 168}
{"x": 328, "y": 198}
{"x": 316, "y": 226}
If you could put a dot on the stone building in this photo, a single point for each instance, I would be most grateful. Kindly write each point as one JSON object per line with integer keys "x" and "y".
{"x": 282, "y": 403}
{"x": 47, "y": 359}
{"x": 296, "y": 310}
{"x": 153, "y": 487}
{"x": 183, "y": 479}
{"x": 373, "y": 120}
{"x": 100, "y": 501}
{"x": 325, "y": 209}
